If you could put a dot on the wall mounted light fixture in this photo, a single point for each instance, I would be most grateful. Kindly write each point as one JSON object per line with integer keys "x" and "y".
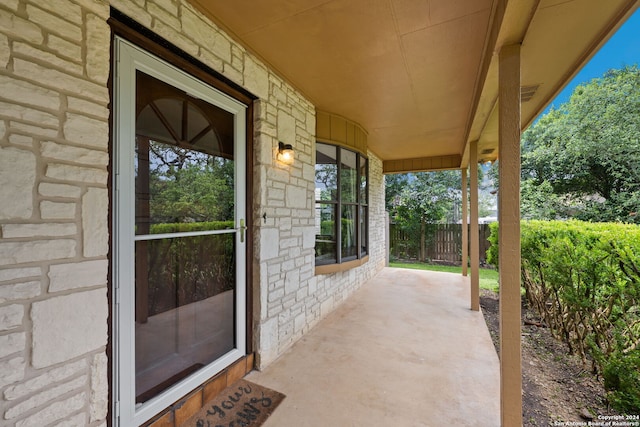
{"x": 285, "y": 153}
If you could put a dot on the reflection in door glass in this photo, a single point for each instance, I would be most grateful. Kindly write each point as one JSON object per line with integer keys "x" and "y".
{"x": 185, "y": 285}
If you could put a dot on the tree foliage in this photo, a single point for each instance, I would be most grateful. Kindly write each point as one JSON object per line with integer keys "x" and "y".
{"x": 188, "y": 186}
{"x": 425, "y": 197}
{"x": 582, "y": 160}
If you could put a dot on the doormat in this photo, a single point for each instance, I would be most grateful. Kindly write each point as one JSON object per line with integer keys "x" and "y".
{"x": 243, "y": 404}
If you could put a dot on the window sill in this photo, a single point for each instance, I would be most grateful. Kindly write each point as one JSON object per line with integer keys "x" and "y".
{"x": 335, "y": 268}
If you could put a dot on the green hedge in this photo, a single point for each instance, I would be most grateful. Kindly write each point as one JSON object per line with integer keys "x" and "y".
{"x": 584, "y": 280}
{"x": 184, "y": 227}
{"x": 184, "y": 270}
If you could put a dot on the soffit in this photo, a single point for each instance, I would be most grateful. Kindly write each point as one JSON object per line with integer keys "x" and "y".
{"x": 420, "y": 76}
{"x": 403, "y": 69}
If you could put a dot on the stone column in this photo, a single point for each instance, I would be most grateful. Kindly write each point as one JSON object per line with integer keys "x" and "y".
{"x": 473, "y": 231}
{"x": 509, "y": 235}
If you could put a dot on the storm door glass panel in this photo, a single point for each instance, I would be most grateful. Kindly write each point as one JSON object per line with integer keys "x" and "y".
{"x": 348, "y": 232}
{"x": 348, "y": 176}
{"x": 185, "y": 272}
{"x": 326, "y": 234}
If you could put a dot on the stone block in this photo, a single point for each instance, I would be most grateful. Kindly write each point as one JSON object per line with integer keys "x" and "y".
{"x": 292, "y": 282}
{"x": 297, "y": 197}
{"x": 19, "y": 273}
{"x": 57, "y": 210}
{"x": 299, "y": 322}
{"x": 11, "y": 371}
{"x": 21, "y": 140}
{"x": 45, "y": 380}
{"x": 5, "y": 53}
{"x": 21, "y": 29}
{"x": 38, "y": 230}
{"x": 268, "y": 341}
{"x": 44, "y": 397}
{"x": 202, "y": 32}
{"x": 36, "y": 250}
{"x": 60, "y": 80}
{"x": 68, "y": 326}
{"x": 54, "y": 24}
{"x": 309, "y": 172}
{"x": 54, "y": 412}
{"x": 97, "y": 60}
{"x": 99, "y": 403}
{"x": 179, "y": 39}
{"x": 12, "y": 343}
{"x": 64, "y": 47}
{"x": 275, "y": 295}
{"x": 269, "y": 243}
{"x": 78, "y": 420}
{"x": 11, "y": 4}
{"x": 17, "y": 179}
{"x": 275, "y": 194}
{"x": 256, "y": 77}
{"x": 95, "y": 206}
{"x": 31, "y": 52}
{"x": 99, "y": 7}
{"x": 48, "y": 189}
{"x": 211, "y": 59}
{"x": 77, "y": 275}
{"x": 288, "y": 243}
{"x": 87, "y": 107}
{"x": 286, "y": 128}
{"x": 19, "y": 291}
{"x": 71, "y": 11}
{"x": 169, "y": 5}
{"x": 130, "y": 8}
{"x": 76, "y": 174}
{"x": 233, "y": 74}
{"x": 171, "y": 19}
{"x": 11, "y": 317}
{"x": 86, "y": 131}
{"x": 71, "y": 154}
{"x": 32, "y": 130}
{"x": 28, "y": 114}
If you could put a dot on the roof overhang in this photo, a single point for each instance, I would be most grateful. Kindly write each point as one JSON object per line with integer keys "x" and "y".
{"x": 420, "y": 76}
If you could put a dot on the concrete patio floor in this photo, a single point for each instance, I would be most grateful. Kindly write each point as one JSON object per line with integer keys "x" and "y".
{"x": 403, "y": 350}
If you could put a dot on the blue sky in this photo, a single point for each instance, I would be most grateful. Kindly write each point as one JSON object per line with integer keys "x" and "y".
{"x": 623, "y": 48}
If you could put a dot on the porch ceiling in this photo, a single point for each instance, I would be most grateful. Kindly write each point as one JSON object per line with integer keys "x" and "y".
{"x": 420, "y": 75}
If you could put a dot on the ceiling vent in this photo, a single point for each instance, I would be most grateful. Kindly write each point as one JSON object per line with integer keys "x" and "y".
{"x": 527, "y": 92}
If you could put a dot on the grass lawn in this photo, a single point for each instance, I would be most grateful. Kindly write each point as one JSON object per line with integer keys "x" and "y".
{"x": 488, "y": 277}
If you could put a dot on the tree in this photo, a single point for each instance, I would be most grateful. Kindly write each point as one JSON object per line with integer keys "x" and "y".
{"x": 416, "y": 200}
{"x": 587, "y": 153}
{"x": 189, "y": 186}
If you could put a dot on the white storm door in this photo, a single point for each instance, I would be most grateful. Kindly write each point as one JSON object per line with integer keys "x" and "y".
{"x": 179, "y": 233}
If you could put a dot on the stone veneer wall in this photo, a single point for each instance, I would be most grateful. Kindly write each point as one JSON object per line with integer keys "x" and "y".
{"x": 54, "y": 65}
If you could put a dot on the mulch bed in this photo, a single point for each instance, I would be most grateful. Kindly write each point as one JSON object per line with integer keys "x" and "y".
{"x": 557, "y": 387}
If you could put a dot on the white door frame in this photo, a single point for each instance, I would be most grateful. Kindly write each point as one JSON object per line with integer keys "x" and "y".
{"x": 129, "y": 59}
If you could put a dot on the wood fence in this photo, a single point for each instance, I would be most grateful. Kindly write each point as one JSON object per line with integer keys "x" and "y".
{"x": 439, "y": 243}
